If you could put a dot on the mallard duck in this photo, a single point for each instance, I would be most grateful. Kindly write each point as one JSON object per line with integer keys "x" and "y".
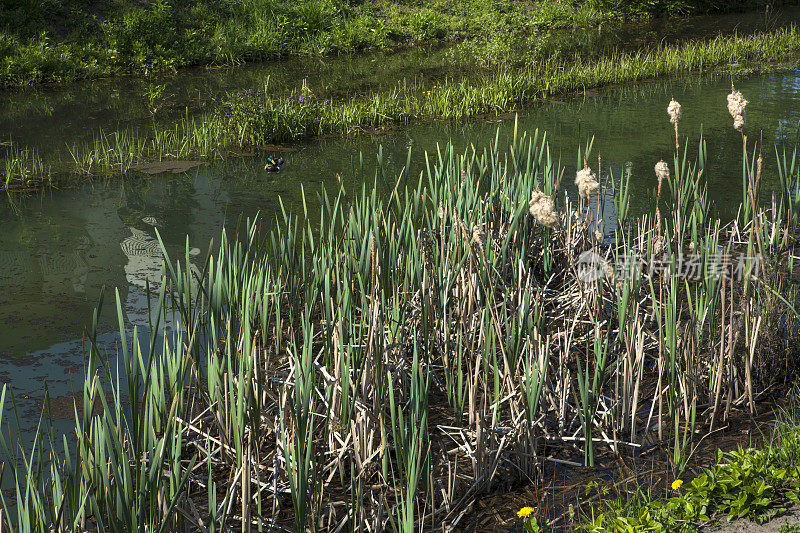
{"x": 274, "y": 165}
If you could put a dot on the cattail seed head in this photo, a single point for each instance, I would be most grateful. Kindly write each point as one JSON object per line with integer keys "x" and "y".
{"x": 479, "y": 236}
{"x": 608, "y": 270}
{"x": 543, "y": 209}
{"x": 662, "y": 170}
{"x": 659, "y": 245}
{"x": 586, "y": 182}
{"x": 736, "y": 105}
{"x": 674, "y": 111}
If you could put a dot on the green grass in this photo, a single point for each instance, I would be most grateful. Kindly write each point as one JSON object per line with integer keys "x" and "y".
{"x": 260, "y": 118}
{"x": 24, "y": 169}
{"x": 45, "y": 41}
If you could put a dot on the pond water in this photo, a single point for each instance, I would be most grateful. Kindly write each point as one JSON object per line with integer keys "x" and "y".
{"x": 59, "y": 248}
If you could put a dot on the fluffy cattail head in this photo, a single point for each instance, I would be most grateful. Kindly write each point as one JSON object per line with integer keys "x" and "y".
{"x": 479, "y": 236}
{"x": 736, "y": 105}
{"x": 662, "y": 170}
{"x": 543, "y": 209}
{"x": 608, "y": 270}
{"x": 674, "y": 111}
{"x": 659, "y": 245}
{"x": 586, "y": 182}
{"x": 738, "y": 123}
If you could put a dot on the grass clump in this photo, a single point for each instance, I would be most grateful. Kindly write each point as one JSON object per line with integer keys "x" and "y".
{"x": 260, "y": 118}
{"x": 267, "y": 115}
{"x": 24, "y": 168}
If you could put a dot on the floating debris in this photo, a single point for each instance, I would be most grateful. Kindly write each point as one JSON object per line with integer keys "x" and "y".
{"x": 175, "y": 167}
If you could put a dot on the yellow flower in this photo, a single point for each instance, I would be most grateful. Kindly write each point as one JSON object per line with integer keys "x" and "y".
{"x": 677, "y": 484}
{"x": 525, "y": 512}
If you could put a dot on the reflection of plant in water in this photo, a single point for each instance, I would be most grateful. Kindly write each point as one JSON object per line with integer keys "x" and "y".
{"x": 26, "y": 236}
{"x": 13, "y": 206}
{"x": 51, "y": 251}
{"x": 179, "y": 193}
{"x": 156, "y": 97}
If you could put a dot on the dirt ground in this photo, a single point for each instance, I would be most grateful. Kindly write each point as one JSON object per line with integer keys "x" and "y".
{"x": 743, "y": 526}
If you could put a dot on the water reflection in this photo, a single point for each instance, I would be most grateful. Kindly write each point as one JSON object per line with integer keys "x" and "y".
{"x": 60, "y": 248}
{"x": 144, "y": 272}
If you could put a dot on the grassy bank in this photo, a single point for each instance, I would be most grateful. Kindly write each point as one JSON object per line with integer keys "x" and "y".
{"x": 254, "y": 118}
{"x": 744, "y": 485}
{"x": 383, "y": 362}
{"x": 58, "y": 40}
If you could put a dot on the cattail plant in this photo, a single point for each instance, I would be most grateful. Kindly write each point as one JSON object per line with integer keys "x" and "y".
{"x": 736, "y": 105}
{"x": 662, "y": 173}
{"x": 542, "y": 208}
{"x": 674, "y": 112}
{"x": 586, "y": 182}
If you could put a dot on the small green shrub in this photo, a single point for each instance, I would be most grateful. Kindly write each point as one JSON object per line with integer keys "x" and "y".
{"x": 145, "y": 38}
{"x": 424, "y": 24}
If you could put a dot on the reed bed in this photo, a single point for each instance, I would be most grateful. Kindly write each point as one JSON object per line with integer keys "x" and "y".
{"x": 260, "y": 117}
{"x": 381, "y": 362}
